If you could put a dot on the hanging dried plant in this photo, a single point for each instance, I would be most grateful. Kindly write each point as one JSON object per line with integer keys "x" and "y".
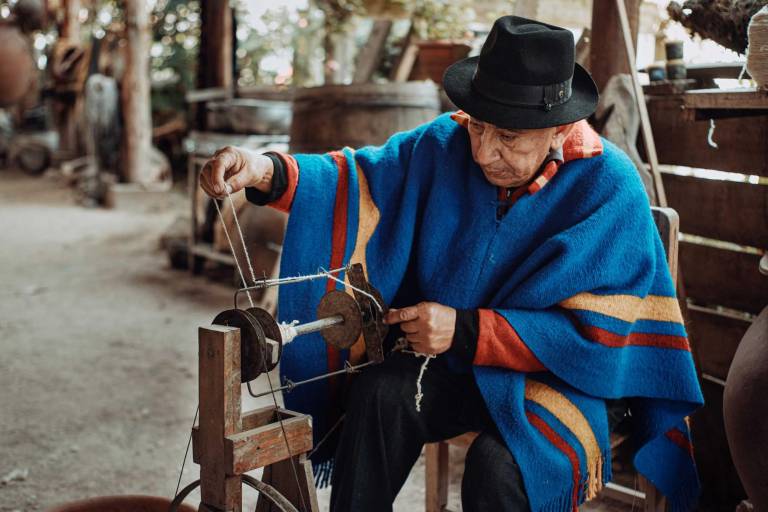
{"x": 723, "y": 21}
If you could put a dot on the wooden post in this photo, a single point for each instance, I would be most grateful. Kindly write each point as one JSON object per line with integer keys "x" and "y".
{"x": 219, "y": 399}
{"x": 216, "y": 45}
{"x": 70, "y": 27}
{"x": 607, "y": 54}
{"x": 137, "y": 138}
{"x": 370, "y": 54}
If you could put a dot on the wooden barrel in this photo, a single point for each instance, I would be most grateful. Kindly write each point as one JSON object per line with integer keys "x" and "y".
{"x": 333, "y": 116}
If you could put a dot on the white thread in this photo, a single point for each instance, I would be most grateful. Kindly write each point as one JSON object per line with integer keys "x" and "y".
{"x": 419, "y": 394}
{"x": 242, "y": 239}
{"x": 288, "y": 331}
{"x": 250, "y": 300}
{"x": 381, "y": 310}
{"x": 401, "y": 345}
{"x": 295, "y": 279}
{"x": 232, "y": 248}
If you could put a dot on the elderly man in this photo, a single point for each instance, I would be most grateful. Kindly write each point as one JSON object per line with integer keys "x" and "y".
{"x": 516, "y": 246}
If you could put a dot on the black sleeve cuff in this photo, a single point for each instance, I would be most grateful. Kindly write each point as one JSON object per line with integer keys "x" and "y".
{"x": 279, "y": 183}
{"x": 465, "y": 335}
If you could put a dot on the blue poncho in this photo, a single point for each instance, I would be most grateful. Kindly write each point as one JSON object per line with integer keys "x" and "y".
{"x": 577, "y": 271}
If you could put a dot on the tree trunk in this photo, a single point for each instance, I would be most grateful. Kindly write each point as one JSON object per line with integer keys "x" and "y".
{"x": 607, "y": 54}
{"x": 136, "y": 95}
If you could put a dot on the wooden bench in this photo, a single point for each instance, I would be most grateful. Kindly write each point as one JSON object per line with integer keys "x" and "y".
{"x": 437, "y": 458}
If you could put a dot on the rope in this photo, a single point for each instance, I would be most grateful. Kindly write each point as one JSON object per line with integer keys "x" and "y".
{"x": 186, "y": 452}
{"x": 419, "y": 395}
{"x": 401, "y": 345}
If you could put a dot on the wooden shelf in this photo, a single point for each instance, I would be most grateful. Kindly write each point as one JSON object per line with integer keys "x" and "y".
{"x": 746, "y": 98}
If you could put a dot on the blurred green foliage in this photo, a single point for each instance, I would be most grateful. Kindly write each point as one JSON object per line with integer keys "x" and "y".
{"x": 175, "y": 41}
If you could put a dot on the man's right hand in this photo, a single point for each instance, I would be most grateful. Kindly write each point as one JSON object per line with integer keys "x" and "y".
{"x": 238, "y": 168}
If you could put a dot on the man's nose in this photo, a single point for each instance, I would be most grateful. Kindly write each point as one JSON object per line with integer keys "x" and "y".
{"x": 487, "y": 150}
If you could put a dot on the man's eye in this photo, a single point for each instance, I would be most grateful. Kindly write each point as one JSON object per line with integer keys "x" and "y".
{"x": 476, "y": 127}
{"x": 507, "y": 137}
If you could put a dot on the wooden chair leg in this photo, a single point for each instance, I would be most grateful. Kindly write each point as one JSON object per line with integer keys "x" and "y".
{"x": 654, "y": 500}
{"x": 436, "y": 484}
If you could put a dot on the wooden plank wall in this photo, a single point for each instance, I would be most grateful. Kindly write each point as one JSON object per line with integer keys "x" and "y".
{"x": 722, "y": 281}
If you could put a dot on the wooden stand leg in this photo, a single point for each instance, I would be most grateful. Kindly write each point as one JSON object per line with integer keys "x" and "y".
{"x": 436, "y": 485}
{"x": 228, "y": 444}
{"x": 219, "y": 414}
{"x": 654, "y": 500}
{"x": 281, "y": 476}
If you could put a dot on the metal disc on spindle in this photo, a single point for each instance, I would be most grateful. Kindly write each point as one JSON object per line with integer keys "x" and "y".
{"x": 271, "y": 330}
{"x": 252, "y": 341}
{"x": 345, "y": 334}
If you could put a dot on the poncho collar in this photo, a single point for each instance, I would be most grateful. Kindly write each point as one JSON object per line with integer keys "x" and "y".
{"x": 582, "y": 142}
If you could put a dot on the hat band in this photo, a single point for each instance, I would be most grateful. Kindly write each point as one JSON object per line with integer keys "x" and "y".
{"x": 516, "y": 95}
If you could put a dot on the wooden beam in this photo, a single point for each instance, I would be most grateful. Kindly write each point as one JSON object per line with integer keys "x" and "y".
{"x": 630, "y": 42}
{"x": 723, "y": 277}
{"x": 266, "y": 445}
{"x": 216, "y": 45}
{"x": 722, "y": 210}
{"x": 717, "y": 336}
{"x": 437, "y": 468}
{"x": 668, "y": 223}
{"x": 746, "y": 98}
{"x": 70, "y": 26}
{"x": 283, "y": 477}
{"x": 682, "y": 140}
{"x": 219, "y": 399}
{"x": 137, "y": 136}
{"x": 607, "y": 54}
{"x": 370, "y": 55}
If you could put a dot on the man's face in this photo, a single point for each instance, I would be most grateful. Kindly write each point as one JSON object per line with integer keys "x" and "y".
{"x": 509, "y": 158}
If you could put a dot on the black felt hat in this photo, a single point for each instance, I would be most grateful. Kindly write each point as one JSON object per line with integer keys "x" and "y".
{"x": 524, "y": 77}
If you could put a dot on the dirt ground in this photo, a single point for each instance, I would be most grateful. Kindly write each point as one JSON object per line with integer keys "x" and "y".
{"x": 98, "y": 350}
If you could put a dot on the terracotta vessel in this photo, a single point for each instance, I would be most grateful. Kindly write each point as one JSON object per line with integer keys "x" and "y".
{"x": 744, "y": 405}
{"x": 120, "y": 504}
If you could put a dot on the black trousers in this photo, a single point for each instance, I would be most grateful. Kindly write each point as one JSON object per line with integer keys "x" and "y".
{"x": 383, "y": 435}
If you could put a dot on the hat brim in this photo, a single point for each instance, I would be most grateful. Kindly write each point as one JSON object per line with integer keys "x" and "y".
{"x": 457, "y": 82}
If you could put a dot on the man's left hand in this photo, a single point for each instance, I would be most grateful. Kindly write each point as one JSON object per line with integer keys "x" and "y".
{"x": 428, "y": 326}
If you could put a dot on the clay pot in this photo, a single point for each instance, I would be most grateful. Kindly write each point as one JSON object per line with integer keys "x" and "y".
{"x": 120, "y": 504}
{"x": 435, "y": 57}
{"x": 744, "y": 411}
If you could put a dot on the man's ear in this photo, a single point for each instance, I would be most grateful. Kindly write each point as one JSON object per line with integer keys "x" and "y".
{"x": 561, "y": 133}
